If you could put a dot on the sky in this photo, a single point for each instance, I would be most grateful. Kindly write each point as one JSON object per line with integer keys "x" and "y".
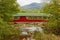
{"x": 26, "y": 2}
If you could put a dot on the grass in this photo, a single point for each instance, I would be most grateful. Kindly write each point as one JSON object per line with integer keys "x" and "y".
{"x": 49, "y": 37}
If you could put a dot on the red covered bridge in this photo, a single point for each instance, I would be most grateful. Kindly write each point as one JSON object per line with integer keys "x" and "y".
{"x": 31, "y": 17}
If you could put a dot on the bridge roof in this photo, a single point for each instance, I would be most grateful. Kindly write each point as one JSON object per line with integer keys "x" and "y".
{"x": 32, "y": 14}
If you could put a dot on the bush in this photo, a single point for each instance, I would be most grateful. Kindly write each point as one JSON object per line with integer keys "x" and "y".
{"x": 8, "y": 33}
{"x": 53, "y": 30}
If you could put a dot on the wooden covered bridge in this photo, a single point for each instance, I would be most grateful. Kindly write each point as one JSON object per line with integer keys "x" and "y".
{"x": 31, "y": 17}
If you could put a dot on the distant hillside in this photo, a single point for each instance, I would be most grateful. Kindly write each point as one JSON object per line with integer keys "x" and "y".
{"x": 33, "y": 6}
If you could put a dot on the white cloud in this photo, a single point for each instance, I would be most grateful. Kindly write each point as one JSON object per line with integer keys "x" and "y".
{"x": 26, "y": 2}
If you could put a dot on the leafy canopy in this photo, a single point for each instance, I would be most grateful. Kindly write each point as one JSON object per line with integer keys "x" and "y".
{"x": 7, "y": 9}
{"x": 53, "y": 8}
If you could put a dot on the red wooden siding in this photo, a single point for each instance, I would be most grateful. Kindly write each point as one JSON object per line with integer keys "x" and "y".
{"x": 23, "y": 19}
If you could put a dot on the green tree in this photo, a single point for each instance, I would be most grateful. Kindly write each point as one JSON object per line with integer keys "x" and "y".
{"x": 7, "y": 9}
{"x": 53, "y": 8}
{"x": 54, "y": 22}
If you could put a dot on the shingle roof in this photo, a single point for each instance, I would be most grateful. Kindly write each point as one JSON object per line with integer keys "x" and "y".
{"x": 32, "y": 14}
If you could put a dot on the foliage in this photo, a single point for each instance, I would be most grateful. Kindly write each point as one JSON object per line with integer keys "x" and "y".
{"x": 37, "y": 35}
{"x": 54, "y": 22}
{"x": 7, "y": 9}
{"x": 52, "y": 8}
